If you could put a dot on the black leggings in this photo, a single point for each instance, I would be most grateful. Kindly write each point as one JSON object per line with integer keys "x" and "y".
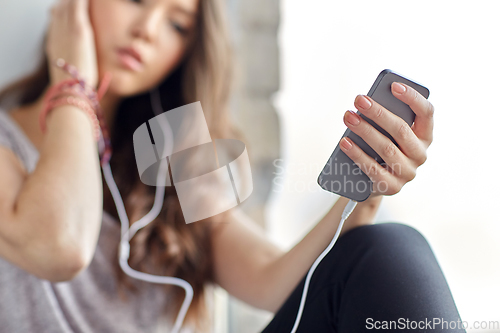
{"x": 381, "y": 277}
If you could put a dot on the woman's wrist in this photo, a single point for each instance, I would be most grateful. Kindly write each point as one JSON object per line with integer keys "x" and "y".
{"x": 364, "y": 213}
{"x": 87, "y": 99}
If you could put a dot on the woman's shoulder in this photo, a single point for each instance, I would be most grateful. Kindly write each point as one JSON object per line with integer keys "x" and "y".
{"x": 6, "y": 138}
{"x": 14, "y": 139}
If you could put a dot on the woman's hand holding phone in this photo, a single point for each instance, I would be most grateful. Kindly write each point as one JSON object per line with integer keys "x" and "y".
{"x": 71, "y": 37}
{"x": 401, "y": 162}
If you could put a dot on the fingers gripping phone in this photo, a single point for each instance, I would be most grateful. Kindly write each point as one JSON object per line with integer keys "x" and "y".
{"x": 341, "y": 175}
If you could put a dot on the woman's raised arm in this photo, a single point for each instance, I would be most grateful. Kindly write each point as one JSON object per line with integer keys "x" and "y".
{"x": 50, "y": 219}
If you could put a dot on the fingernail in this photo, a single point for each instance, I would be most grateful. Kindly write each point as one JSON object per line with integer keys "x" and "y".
{"x": 345, "y": 144}
{"x": 353, "y": 118}
{"x": 399, "y": 88}
{"x": 364, "y": 102}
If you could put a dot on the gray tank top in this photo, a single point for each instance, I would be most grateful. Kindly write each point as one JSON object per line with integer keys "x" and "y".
{"x": 89, "y": 303}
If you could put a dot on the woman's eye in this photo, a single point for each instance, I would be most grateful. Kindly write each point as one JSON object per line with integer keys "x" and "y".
{"x": 179, "y": 28}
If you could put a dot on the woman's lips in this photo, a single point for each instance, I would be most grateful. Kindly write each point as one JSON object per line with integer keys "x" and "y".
{"x": 128, "y": 61}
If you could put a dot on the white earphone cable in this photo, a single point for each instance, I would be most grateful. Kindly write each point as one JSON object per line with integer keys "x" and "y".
{"x": 127, "y": 233}
{"x": 345, "y": 214}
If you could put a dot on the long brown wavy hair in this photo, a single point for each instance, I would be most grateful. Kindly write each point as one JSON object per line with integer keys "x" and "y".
{"x": 167, "y": 246}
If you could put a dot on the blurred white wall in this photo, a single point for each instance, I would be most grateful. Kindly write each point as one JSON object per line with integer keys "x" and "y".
{"x": 22, "y": 26}
{"x": 333, "y": 50}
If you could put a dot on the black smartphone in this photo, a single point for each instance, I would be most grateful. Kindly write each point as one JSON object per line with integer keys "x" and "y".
{"x": 341, "y": 175}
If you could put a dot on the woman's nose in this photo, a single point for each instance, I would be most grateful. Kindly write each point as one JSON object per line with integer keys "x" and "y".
{"x": 147, "y": 25}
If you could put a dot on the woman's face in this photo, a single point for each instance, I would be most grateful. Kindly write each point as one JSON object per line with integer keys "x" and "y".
{"x": 159, "y": 30}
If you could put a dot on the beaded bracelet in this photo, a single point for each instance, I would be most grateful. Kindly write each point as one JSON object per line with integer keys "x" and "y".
{"x": 78, "y": 102}
{"x": 63, "y": 88}
{"x": 92, "y": 98}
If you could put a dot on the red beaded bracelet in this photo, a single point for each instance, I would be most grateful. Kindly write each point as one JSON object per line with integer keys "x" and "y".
{"x": 64, "y": 88}
{"x": 89, "y": 95}
{"x": 72, "y": 100}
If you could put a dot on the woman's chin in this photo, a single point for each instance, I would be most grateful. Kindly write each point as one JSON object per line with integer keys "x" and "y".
{"x": 124, "y": 82}
{"x": 123, "y": 86}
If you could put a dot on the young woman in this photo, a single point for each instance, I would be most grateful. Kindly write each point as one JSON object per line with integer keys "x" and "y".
{"x": 59, "y": 228}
